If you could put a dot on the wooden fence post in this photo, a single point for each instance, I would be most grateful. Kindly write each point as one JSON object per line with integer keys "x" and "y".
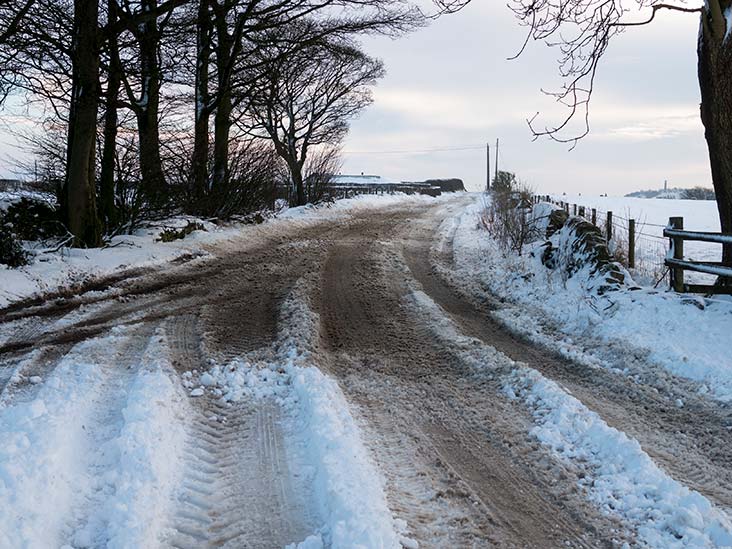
{"x": 609, "y": 226}
{"x": 631, "y": 243}
{"x": 677, "y": 245}
{"x": 594, "y": 217}
{"x": 582, "y": 211}
{"x": 575, "y": 209}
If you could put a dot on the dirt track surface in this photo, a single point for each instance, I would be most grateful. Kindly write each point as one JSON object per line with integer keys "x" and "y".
{"x": 459, "y": 464}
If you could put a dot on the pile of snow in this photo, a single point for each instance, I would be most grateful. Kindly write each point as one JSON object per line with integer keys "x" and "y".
{"x": 348, "y": 488}
{"x": 646, "y": 320}
{"x": 624, "y": 479}
{"x": 52, "y": 465}
{"x": 68, "y": 267}
{"x": 621, "y": 479}
{"x": 146, "y": 461}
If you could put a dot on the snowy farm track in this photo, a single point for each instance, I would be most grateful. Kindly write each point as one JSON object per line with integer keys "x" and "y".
{"x": 450, "y": 426}
{"x": 458, "y": 460}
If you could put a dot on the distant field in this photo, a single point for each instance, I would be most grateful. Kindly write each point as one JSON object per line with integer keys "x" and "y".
{"x": 651, "y": 215}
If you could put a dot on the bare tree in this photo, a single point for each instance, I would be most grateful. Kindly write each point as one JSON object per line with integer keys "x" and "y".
{"x": 231, "y": 38}
{"x": 306, "y": 100}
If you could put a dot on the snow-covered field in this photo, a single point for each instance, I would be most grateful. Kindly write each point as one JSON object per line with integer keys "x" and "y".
{"x": 651, "y": 216}
{"x": 688, "y": 336}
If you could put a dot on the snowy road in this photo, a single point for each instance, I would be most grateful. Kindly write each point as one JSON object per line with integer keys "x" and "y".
{"x": 326, "y": 384}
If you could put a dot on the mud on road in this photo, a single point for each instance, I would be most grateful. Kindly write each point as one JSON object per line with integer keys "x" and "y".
{"x": 457, "y": 458}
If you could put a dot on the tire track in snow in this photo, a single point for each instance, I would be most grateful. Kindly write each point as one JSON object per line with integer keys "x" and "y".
{"x": 105, "y": 425}
{"x": 47, "y": 449}
{"x": 616, "y": 474}
{"x": 238, "y": 489}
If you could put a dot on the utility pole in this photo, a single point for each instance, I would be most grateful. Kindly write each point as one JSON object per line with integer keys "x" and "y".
{"x": 496, "y": 178}
{"x": 488, "y": 168}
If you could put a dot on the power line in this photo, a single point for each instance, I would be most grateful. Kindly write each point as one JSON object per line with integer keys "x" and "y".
{"x": 442, "y": 149}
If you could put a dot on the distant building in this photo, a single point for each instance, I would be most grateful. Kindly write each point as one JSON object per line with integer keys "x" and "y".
{"x": 350, "y": 180}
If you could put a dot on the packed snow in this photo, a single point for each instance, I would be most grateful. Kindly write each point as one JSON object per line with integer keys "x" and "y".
{"x": 63, "y": 453}
{"x": 686, "y": 335}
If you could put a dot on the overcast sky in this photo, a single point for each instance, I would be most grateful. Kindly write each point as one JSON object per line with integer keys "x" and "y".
{"x": 451, "y": 85}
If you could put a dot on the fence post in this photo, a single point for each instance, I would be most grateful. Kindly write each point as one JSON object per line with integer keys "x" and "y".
{"x": 609, "y": 226}
{"x": 566, "y": 207}
{"x": 594, "y": 217}
{"x": 631, "y": 243}
{"x": 574, "y": 209}
{"x": 677, "y": 245}
{"x": 582, "y": 211}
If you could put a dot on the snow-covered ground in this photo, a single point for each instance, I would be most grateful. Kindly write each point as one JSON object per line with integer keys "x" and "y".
{"x": 67, "y": 267}
{"x": 8, "y": 197}
{"x": 104, "y": 478}
{"x": 686, "y": 335}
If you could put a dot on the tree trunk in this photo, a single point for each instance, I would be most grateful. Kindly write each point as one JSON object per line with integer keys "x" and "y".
{"x": 297, "y": 181}
{"x": 715, "y": 83}
{"x": 81, "y": 210}
{"x": 222, "y": 127}
{"x": 108, "y": 206}
{"x": 199, "y": 167}
{"x": 222, "y": 120}
{"x": 147, "y": 110}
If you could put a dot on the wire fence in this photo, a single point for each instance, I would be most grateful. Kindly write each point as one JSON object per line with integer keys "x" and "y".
{"x": 638, "y": 249}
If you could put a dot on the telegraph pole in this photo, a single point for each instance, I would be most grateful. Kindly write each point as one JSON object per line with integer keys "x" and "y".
{"x": 496, "y": 178}
{"x": 488, "y": 168}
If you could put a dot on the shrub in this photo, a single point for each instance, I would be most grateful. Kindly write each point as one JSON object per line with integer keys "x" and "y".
{"x": 507, "y": 217}
{"x": 12, "y": 253}
{"x": 169, "y": 235}
{"x": 33, "y": 220}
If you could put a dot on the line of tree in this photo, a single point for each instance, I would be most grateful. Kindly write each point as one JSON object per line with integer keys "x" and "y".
{"x": 158, "y": 106}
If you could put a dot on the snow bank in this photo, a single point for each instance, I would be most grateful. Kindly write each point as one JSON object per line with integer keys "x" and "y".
{"x": 62, "y": 455}
{"x": 624, "y": 480}
{"x": 687, "y": 336}
{"x": 43, "y": 452}
{"x": 147, "y": 464}
{"x": 348, "y": 489}
{"x": 621, "y": 478}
